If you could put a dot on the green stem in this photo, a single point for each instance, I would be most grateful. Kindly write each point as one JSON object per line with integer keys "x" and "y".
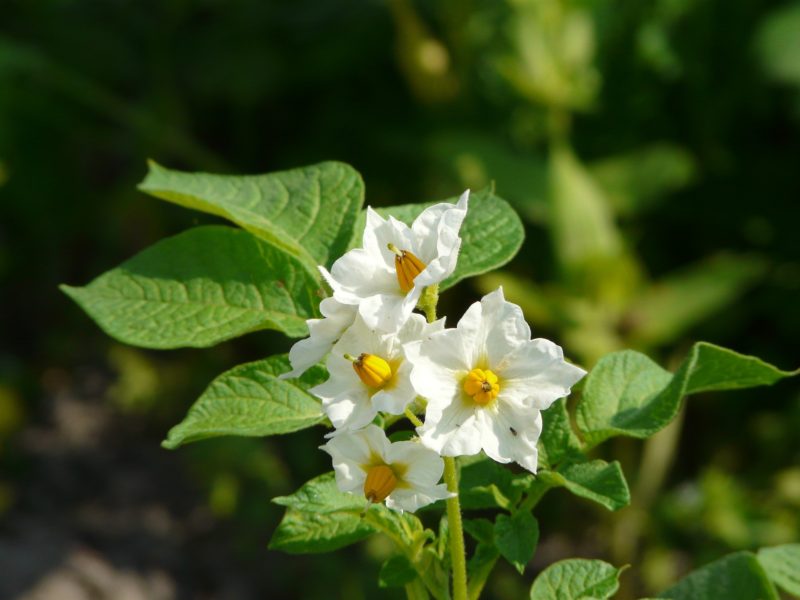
{"x": 539, "y": 488}
{"x": 413, "y": 418}
{"x": 457, "y": 552}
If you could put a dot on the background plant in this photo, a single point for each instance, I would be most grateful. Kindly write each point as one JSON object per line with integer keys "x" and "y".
{"x": 88, "y": 90}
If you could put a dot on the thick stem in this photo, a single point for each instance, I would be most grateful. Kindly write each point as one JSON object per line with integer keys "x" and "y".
{"x": 457, "y": 552}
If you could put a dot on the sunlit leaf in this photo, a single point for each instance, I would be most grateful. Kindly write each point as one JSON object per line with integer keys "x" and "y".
{"x": 309, "y": 211}
{"x": 251, "y": 400}
{"x": 782, "y": 565}
{"x": 201, "y": 287}
{"x": 576, "y": 579}
{"x": 628, "y": 394}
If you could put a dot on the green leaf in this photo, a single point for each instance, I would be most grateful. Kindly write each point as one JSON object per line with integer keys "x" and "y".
{"x": 576, "y": 579}
{"x": 635, "y": 181}
{"x": 778, "y": 43}
{"x": 596, "y": 480}
{"x": 583, "y": 227}
{"x": 309, "y": 212}
{"x": 250, "y": 400}
{"x": 516, "y": 537}
{"x": 396, "y": 572}
{"x": 320, "y": 518}
{"x": 201, "y": 287}
{"x": 738, "y": 576}
{"x": 782, "y": 565}
{"x": 482, "y": 530}
{"x": 491, "y": 234}
{"x": 558, "y": 441}
{"x": 483, "y": 483}
{"x": 668, "y": 308}
{"x": 628, "y": 394}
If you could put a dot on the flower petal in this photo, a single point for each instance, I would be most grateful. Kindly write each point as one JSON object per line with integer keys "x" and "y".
{"x": 415, "y": 498}
{"x": 323, "y": 333}
{"x": 451, "y": 431}
{"x": 509, "y": 432}
{"x": 537, "y": 375}
{"x": 423, "y": 467}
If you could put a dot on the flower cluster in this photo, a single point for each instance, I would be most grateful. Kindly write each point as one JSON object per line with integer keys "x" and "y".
{"x": 483, "y": 383}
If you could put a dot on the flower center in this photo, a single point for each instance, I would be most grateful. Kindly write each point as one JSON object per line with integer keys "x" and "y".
{"x": 380, "y": 482}
{"x": 408, "y": 266}
{"x": 482, "y": 385}
{"x": 373, "y": 371}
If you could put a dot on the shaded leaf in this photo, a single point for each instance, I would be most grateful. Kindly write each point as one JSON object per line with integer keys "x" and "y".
{"x": 516, "y": 537}
{"x": 596, "y": 480}
{"x": 483, "y": 483}
{"x": 396, "y": 572}
{"x": 558, "y": 441}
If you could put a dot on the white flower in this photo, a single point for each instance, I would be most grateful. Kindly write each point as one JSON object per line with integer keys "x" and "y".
{"x": 369, "y": 373}
{"x": 323, "y": 333}
{"x": 405, "y": 474}
{"x": 486, "y": 382}
{"x": 386, "y": 277}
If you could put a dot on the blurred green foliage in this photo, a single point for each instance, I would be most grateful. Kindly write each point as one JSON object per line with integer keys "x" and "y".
{"x": 650, "y": 147}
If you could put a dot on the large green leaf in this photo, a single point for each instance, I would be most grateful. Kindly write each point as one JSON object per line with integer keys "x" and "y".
{"x": 782, "y": 565}
{"x": 595, "y": 480}
{"x": 576, "y": 579}
{"x": 516, "y": 537}
{"x": 491, "y": 234}
{"x": 738, "y": 576}
{"x": 201, "y": 287}
{"x": 628, "y": 394}
{"x": 250, "y": 400}
{"x": 320, "y": 518}
{"x": 309, "y": 212}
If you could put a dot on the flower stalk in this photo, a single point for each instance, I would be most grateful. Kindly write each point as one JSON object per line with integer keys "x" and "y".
{"x": 456, "y": 531}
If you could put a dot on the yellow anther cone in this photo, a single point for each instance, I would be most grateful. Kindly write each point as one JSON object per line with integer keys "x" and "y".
{"x": 482, "y": 385}
{"x": 380, "y": 482}
{"x": 408, "y": 266}
{"x": 373, "y": 371}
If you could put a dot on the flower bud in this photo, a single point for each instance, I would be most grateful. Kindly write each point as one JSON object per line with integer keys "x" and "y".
{"x": 380, "y": 482}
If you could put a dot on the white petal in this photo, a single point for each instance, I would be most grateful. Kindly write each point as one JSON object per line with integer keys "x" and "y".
{"x": 323, "y": 333}
{"x": 358, "y": 275}
{"x": 388, "y": 312}
{"x": 395, "y": 399}
{"x": 509, "y": 432}
{"x": 351, "y": 452}
{"x": 493, "y": 328}
{"x": 439, "y": 385}
{"x": 452, "y": 431}
{"x": 437, "y": 227}
{"x": 415, "y": 498}
{"x": 536, "y": 374}
{"x": 423, "y": 466}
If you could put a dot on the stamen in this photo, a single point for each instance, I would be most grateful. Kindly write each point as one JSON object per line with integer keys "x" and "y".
{"x": 373, "y": 371}
{"x": 380, "y": 482}
{"x": 482, "y": 385}
{"x": 407, "y": 266}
